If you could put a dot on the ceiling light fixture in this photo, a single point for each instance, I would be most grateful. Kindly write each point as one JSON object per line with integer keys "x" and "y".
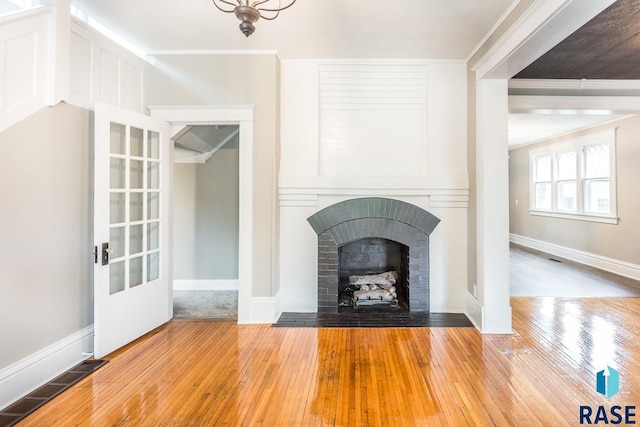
{"x": 249, "y": 11}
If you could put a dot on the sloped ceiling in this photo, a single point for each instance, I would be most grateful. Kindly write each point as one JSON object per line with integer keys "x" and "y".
{"x": 204, "y": 138}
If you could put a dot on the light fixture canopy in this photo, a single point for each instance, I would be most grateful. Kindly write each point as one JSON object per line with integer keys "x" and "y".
{"x": 249, "y": 11}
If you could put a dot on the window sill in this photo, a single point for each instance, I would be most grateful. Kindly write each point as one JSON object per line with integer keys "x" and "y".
{"x": 577, "y": 216}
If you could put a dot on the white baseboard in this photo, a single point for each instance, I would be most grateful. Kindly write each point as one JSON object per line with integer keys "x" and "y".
{"x": 205, "y": 285}
{"x": 473, "y": 311}
{"x": 263, "y": 310}
{"x": 33, "y": 371}
{"x": 611, "y": 265}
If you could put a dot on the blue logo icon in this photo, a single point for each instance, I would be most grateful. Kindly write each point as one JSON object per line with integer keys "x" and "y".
{"x": 608, "y": 382}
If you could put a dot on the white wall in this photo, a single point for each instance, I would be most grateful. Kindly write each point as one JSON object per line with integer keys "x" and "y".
{"x": 355, "y": 114}
{"x": 46, "y": 235}
{"x": 206, "y": 217}
{"x": 46, "y": 182}
{"x": 232, "y": 80}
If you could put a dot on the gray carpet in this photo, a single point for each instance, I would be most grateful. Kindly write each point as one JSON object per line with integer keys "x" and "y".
{"x": 205, "y": 304}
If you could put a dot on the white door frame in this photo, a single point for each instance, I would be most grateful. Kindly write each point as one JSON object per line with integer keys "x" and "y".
{"x": 541, "y": 27}
{"x": 242, "y": 116}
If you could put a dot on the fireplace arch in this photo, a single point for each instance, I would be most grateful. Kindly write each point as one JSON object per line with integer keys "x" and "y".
{"x": 373, "y": 217}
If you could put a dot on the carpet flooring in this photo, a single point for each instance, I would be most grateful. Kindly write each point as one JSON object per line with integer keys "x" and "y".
{"x": 205, "y": 304}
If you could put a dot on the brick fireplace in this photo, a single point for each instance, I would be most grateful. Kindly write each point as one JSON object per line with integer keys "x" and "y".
{"x": 373, "y": 222}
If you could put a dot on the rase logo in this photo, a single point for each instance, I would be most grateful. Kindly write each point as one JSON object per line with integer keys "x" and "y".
{"x": 608, "y": 384}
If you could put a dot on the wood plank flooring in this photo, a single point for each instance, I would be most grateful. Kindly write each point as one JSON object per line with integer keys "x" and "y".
{"x": 217, "y": 373}
{"x": 534, "y": 273}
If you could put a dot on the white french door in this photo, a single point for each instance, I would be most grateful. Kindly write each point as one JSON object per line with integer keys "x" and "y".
{"x": 131, "y": 227}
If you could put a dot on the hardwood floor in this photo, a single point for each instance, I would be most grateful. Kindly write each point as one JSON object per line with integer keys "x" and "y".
{"x": 535, "y": 273}
{"x": 216, "y": 373}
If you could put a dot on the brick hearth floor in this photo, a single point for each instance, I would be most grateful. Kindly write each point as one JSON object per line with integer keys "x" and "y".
{"x": 367, "y": 318}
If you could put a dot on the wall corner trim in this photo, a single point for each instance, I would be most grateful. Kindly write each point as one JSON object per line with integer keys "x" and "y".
{"x": 611, "y": 265}
{"x": 262, "y": 311}
{"x": 37, "y": 369}
{"x": 473, "y": 310}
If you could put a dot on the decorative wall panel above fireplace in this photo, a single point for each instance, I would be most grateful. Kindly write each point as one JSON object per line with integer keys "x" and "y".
{"x": 373, "y": 217}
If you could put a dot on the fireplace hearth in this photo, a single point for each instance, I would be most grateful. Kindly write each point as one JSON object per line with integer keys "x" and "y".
{"x": 369, "y": 236}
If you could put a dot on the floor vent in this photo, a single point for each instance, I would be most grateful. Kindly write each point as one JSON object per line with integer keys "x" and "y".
{"x": 15, "y": 412}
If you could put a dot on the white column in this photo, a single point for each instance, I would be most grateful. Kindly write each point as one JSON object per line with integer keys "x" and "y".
{"x": 492, "y": 187}
{"x": 59, "y": 48}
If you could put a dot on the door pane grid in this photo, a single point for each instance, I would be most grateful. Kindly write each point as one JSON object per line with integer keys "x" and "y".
{"x": 143, "y": 260}
{"x": 135, "y": 207}
{"x": 127, "y": 240}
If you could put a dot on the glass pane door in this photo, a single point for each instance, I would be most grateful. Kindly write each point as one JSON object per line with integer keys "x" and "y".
{"x": 134, "y": 211}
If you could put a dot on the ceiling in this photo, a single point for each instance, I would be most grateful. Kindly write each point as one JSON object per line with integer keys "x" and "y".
{"x": 431, "y": 29}
{"x": 607, "y": 47}
{"x": 198, "y": 143}
{"x": 529, "y": 128}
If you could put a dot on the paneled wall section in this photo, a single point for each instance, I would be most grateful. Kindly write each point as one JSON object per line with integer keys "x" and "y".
{"x": 373, "y": 119}
{"x": 102, "y": 71}
{"x": 23, "y": 54}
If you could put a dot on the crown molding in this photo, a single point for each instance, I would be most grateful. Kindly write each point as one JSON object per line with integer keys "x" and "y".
{"x": 574, "y": 84}
{"x": 548, "y": 104}
{"x": 211, "y": 52}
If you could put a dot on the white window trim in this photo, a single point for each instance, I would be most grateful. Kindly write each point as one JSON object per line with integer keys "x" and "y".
{"x": 576, "y": 144}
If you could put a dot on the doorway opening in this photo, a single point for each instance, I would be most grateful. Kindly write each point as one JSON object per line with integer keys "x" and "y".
{"x": 206, "y": 221}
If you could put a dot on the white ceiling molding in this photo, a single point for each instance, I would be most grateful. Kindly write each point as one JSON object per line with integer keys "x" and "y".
{"x": 535, "y": 104}
{"x": 550, "y": 22}
{"x": 201, "y": 114}
{"x": 571, "y": 87}
{"x": 212, "y": 52}
{"x": 574, "y": 84}
{"x": 499, "y": 22}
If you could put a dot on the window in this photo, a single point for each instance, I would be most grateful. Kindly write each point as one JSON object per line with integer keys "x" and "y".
{"x": 573, "y": 179}
{"x": 597, "y": 188}
{"x": 567, "y": 181}
{"x": 542, "y": 185}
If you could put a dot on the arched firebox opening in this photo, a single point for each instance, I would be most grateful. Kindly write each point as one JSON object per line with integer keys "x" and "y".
{"x": 378, "y": 220}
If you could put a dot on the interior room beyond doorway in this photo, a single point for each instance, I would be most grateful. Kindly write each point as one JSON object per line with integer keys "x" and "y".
{"x": 206, "y": 210}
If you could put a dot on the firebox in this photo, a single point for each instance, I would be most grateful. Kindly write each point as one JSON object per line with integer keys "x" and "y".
{"x": 372, "y": 257}
{"x": 350, "y": 233}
